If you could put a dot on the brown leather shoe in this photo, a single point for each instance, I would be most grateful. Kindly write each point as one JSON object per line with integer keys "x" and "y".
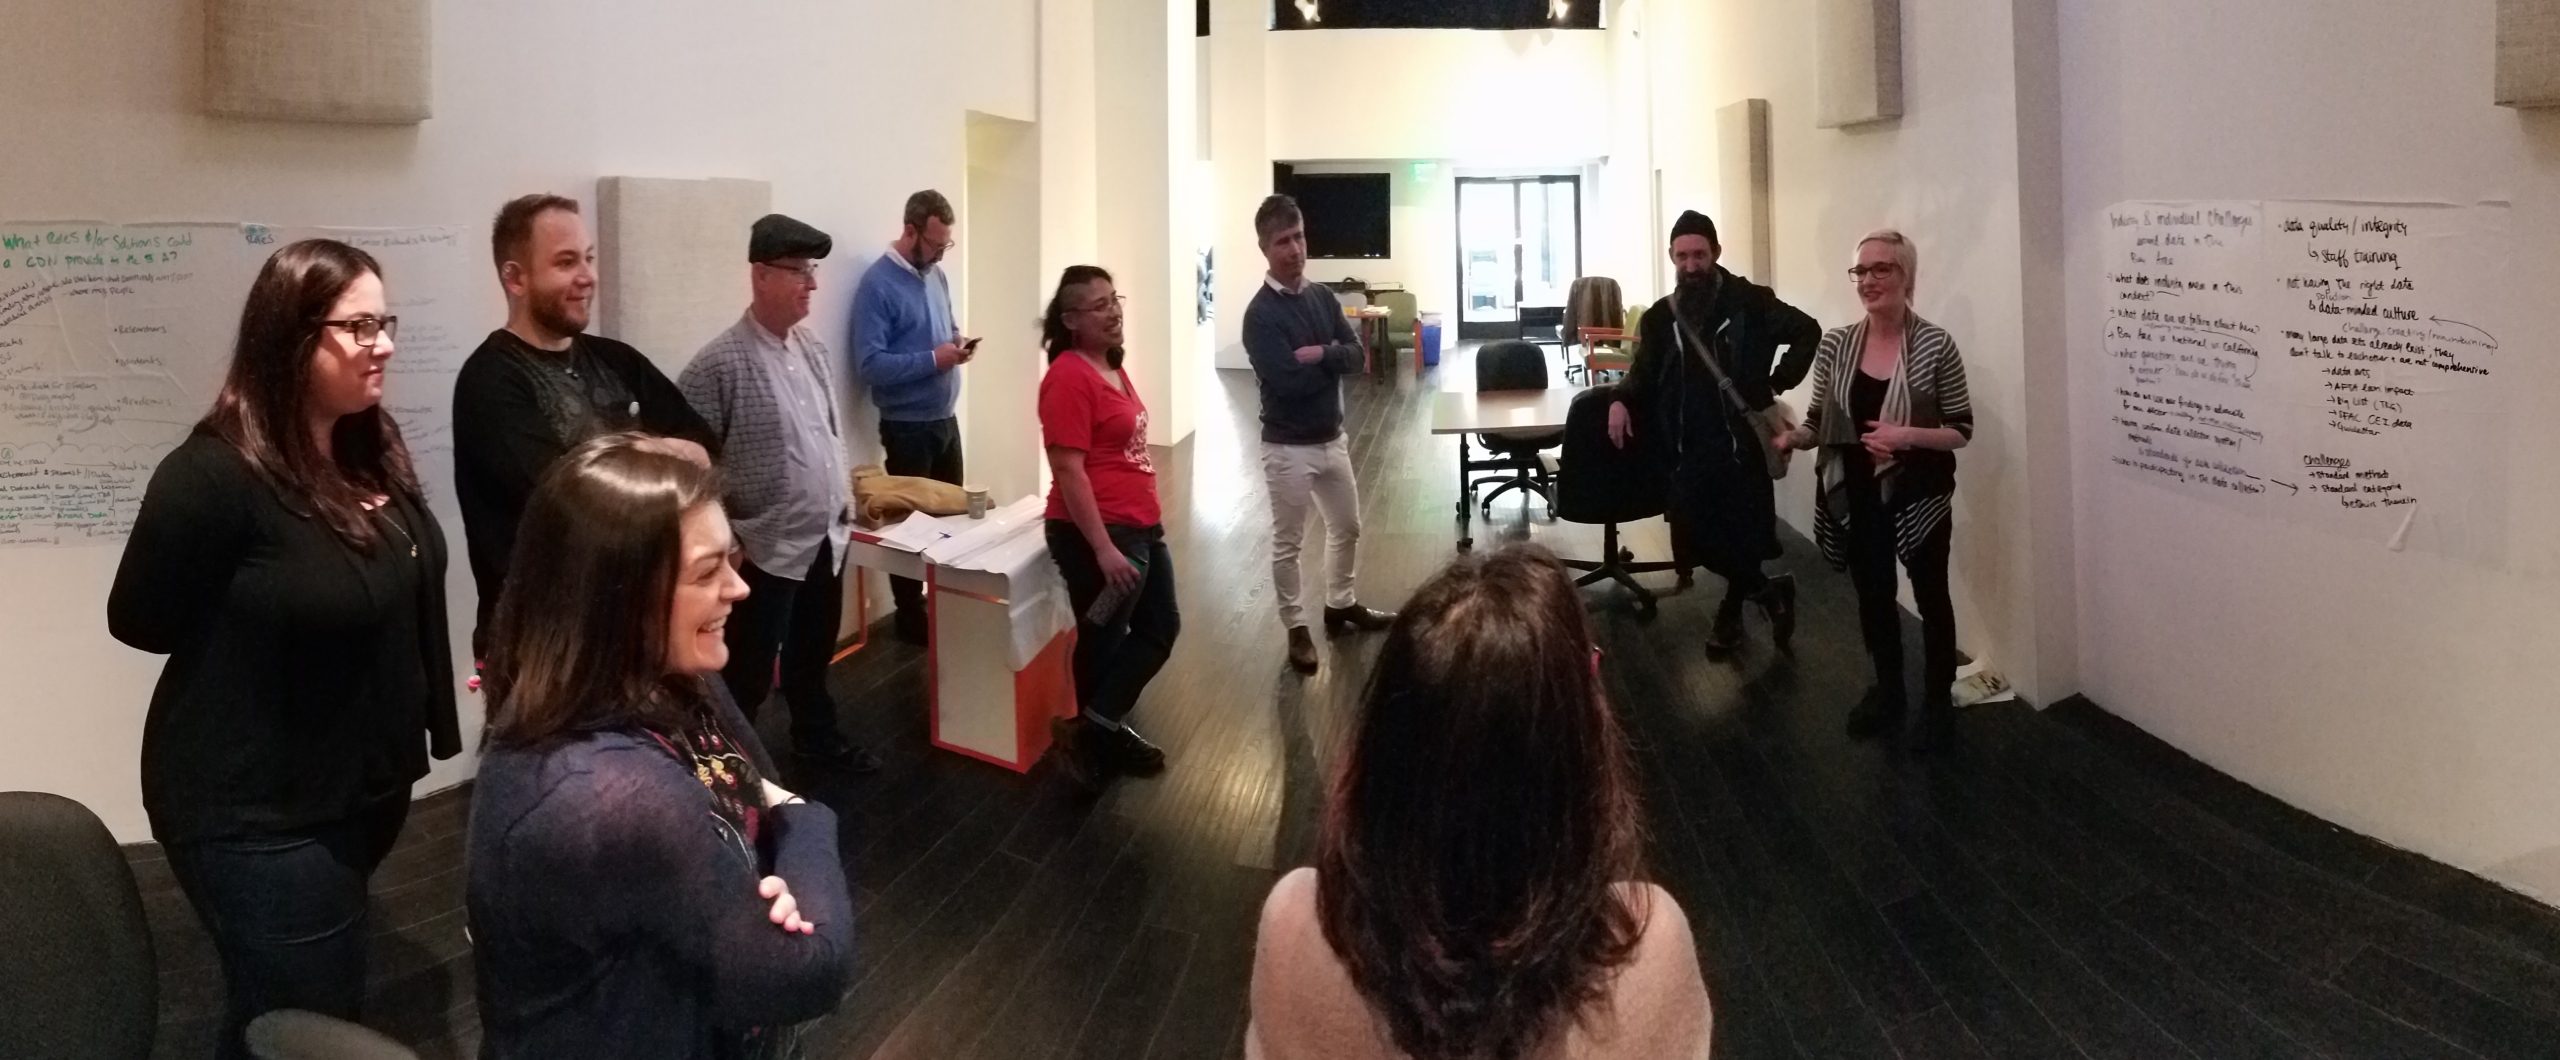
{"x": 1302, "y": 650}
{"x": 1356, "y": 618}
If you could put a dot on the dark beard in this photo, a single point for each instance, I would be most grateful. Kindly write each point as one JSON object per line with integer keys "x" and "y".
{"x": 554, "y": 318}
{"x": 1695, "y": 297}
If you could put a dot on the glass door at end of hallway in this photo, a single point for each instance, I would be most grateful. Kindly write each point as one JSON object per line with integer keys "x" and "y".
{"x": 1519, "y": 250}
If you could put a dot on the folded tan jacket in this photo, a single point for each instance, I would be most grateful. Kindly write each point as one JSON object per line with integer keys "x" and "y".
{"x": 879, "y": 497}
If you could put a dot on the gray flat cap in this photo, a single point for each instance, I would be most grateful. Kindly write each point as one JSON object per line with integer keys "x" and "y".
{"x": 776, "y": 237}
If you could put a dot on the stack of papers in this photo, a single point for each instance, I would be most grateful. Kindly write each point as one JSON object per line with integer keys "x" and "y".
{"x": 918, "y": 532}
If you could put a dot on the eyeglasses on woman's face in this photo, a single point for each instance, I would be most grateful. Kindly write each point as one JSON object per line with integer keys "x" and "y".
{"x": 1118, "y": 303}
{"x": 1882, "y": 270}
{"x": 368, "y": 330}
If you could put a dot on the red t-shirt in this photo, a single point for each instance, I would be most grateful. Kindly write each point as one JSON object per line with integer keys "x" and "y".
{"x": 1078, "y": 410}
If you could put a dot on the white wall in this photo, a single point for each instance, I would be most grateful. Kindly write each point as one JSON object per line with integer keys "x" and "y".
{"x": 820, "y": 97}
{"x": 1378, "y": 100}
{"x": 2400, "y": 694}
{"x": 1488, "y": 98}
{"x": 1947, "y": 174}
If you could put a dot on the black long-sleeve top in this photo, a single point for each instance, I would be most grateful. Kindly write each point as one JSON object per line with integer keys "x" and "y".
{"x": 307, "y": 680}
{"x": 1301, "y": 403}
{"x": 518, "y": 409}
{"x": 1747, "y": 324}
{"x": 614, "y": 913}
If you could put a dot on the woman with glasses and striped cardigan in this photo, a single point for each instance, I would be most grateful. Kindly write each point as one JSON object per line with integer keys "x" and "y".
{"x": 1889, "y": 412}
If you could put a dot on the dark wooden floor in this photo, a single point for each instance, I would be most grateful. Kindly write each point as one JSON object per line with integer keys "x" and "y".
{"x": 2061, "y": 886}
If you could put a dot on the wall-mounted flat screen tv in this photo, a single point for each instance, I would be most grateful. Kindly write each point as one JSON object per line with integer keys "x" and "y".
{"x": 1346, "y": 213}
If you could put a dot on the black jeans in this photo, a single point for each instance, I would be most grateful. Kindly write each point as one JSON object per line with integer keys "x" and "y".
{"x": 1725, "y": 517}
{"x": 1115, "y": 662}
{"x": 1871, "y": 563}
{"x": 796, "y": 619}
{"x": 287, "y": 914}
{"x": 919, "y": 449}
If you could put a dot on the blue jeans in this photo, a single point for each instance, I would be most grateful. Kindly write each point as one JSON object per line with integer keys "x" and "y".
{"x": 287, "y": 913}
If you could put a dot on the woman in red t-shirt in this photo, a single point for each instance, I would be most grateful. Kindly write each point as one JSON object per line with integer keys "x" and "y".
{"x": 1106, "y": 531}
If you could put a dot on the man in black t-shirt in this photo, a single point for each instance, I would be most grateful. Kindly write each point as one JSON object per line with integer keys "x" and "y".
{"x": 540, "y": 386}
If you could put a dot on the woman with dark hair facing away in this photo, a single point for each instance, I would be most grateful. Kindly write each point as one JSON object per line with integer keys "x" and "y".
{"x": 1106, "y": 530}
{"x": 1476, "y": 893}
{"x": 639, "y": 886}
{"x": 1889, "y": 411}
{"x": 285, "y": 561}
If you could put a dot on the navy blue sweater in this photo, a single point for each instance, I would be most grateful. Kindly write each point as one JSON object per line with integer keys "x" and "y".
{"x": 613, "y": 914}
{"x": 1301, "y": 403}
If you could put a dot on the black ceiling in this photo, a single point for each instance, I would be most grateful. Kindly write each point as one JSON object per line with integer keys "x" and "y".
{"x": 1435, "y": 14}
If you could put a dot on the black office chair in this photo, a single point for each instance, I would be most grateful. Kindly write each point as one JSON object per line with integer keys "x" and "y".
{"x": 80, "y": 976}
{"x": 1598, "y": 482}
{"x": 1518, "y": 457}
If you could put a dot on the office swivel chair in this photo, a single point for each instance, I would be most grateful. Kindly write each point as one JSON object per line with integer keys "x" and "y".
{"x": 1517, "y": 455}
{"x": 80, "y": 977}
{"x": 1598, "y": 482}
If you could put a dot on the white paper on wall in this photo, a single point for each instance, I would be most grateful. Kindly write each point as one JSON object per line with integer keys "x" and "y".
{"x": 2334, "y": 364}
{"x": 114, "y": 340}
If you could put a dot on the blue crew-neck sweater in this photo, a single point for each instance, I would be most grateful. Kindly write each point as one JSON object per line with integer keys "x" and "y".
{"x": 1301, "y": 403}
{"x": 899, "y": 316}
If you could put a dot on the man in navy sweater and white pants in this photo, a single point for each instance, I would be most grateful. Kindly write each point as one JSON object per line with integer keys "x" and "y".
{"x": 1301, "y": 347}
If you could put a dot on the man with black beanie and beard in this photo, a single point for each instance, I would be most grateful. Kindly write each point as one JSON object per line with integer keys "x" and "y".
{"x": 1723, "y": 503}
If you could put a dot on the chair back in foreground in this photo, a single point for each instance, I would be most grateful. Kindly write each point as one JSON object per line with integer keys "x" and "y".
{"x": 79, "y": 977}
{"x": 1511, "y": 365}
{"x": 1597, "y": 482}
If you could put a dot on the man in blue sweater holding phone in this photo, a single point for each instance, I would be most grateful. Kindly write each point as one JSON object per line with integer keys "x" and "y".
{"x": 1301, "y": 346}
{"x": 907, "y": 348}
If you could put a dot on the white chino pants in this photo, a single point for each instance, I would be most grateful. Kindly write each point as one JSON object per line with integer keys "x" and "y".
{"x": 1318, "y": 476}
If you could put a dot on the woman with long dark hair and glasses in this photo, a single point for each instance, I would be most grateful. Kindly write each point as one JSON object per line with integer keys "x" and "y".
{"x": 285, "y": 561}
{"x": 1106, "y": 529}
{"x": 639, "y": 886}
{"x": 1477, "y": 893}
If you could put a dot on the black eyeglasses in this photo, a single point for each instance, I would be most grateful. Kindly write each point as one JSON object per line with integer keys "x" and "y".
{"x": 368, "y": 330}
{"x": 1879, "y": 269}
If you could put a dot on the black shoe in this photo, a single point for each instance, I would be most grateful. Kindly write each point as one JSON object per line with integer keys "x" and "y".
{"x": 1075, "y": 760}
{"x": 1302, "y": 650}
{"x": 837, "y": 753}
{"x": 1937, "y": 729}
{"x": 911, "y": 625}
{"x": 1356, "y": 618}
{"x": 1127, "y": 752}
{"x": 1726, "y": 634}
{"x": 1880, "y": 709}
{"x": 1688, "y": 577}
{"x": 1778, "y": 601}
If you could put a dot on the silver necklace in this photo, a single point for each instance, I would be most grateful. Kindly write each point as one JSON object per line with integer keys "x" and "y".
{"x": 394, "y": 524}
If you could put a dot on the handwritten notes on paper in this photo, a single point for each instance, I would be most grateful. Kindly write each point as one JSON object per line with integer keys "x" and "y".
{"x": 115, "y": 338}
{"x": 2328, "y": 363}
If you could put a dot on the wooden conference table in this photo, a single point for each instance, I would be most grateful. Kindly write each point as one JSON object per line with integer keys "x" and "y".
{"x": 1462, "y": 412}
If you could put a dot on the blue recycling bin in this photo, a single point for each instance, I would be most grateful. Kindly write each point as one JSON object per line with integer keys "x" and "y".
{"x": 1430, "y": 345}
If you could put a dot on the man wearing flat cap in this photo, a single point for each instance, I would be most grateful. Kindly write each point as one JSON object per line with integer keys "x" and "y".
{"x": 1715, "y": 329}
{"x": 767, "y": 388}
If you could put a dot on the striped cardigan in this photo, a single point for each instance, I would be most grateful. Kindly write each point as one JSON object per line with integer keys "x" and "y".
{"x": 1927, "y": 390}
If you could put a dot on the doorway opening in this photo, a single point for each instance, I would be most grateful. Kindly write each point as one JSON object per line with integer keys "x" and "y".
{"x": 1519, "y": 250}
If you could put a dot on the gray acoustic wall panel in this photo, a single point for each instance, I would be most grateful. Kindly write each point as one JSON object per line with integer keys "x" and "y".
{"x": 319, "y": 60}
{"x": 2529, "y": 53}
{"x": 1857, "y": 58}
{"x": 671, "y": 260}
{"x": 1742, "y": 164}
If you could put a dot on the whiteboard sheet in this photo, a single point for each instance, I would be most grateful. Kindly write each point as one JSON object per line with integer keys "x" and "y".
{"x": 114, "y": 340}
{"x": 2332, "y": 364}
